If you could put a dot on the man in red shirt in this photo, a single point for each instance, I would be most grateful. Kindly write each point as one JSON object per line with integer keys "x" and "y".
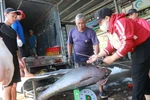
{"x": 125, "y": 36}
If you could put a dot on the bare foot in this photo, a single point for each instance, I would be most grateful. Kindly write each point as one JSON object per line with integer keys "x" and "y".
{"x": 28, "y": 75}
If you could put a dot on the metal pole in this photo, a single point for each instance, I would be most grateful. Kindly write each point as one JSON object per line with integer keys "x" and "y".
{"x": 116, "y": 7}
{"x": 20, "y": 4}
{"x": 1, "y": 11}
{"x": 120, "y": 9}
{"x": 34, "y": 89}
{"x": 2, "y": 7}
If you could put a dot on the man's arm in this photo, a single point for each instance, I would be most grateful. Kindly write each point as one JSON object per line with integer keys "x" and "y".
{"x": 18, "y": 54}
{"x": 96, "y": 49}
{"x": 69, "y": 49}
{"x": 19, "y": 60}
{"x": 125, "y": 33}
{"x": 95, "y": 42}
{"x": 15, "y": 27}
{"x": 70, "y": 43}
{"x": 70, "y": 58}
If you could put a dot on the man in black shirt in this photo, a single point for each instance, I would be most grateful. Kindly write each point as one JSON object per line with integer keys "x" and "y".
{"x": 10, "y": 39}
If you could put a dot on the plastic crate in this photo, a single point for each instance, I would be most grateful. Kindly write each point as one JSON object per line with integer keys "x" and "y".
{"x": 53, "y": 51}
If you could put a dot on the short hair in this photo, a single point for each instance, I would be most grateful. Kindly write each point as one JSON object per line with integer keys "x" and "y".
{"x": 80, "y": 16}
{"x": 31, "y": 31}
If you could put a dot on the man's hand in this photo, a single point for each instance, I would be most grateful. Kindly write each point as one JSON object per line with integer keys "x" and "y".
{"x": 108, "y": 60}
{"x": 70, "y": 60}
{"x": 111, "y": 59}
{"x": 92, "y": 59}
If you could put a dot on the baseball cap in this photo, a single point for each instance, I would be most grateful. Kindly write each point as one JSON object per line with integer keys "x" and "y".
{"x": 131, "y": 11}
{"x": 22, "y": 13}
{"x": 11, "y": 10}
{"x": 102, "y": 13}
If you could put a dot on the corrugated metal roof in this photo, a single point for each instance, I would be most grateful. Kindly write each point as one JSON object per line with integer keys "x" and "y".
{"x": 35, "y": 9}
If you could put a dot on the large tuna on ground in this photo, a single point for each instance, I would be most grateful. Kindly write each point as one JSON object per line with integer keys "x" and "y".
{"x": 76, "y": 78}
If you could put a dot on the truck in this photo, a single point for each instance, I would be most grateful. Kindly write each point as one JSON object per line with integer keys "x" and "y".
{"x": 43, "y": 18}
{"x": 51, "y": 41}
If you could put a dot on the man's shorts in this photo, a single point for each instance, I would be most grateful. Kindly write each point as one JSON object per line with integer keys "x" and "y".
{"x": 16, "y": 77}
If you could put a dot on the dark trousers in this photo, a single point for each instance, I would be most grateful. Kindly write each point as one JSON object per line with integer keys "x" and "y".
{"x": 80, "y": 60}
{"x": 140, "y": 69}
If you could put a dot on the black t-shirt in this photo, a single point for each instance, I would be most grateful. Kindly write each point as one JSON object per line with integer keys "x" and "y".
{"x": 9, "y": 38}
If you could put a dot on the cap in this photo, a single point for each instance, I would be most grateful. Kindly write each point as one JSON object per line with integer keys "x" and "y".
{"x": 30, "y": 30}
{"x": 131, "y": 11}
{"x": 11, "y": 10}
{"x": 22, "y": 13}
{"x": 102, "y": 13}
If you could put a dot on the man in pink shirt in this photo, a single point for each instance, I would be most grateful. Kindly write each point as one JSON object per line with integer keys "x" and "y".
{"x": 133, "y": 14}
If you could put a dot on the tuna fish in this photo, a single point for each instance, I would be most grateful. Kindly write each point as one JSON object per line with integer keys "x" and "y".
{"x": 6, "y": 64}
{"x": 82, "y": 76}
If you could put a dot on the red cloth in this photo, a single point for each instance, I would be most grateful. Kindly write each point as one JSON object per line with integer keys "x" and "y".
{"x": 124, "y": 35}
{"x": 143, "y": 22}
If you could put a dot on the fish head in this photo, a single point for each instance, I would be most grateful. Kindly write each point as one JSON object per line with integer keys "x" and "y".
{"x": 107, "y": 72}
{"x": 105, "y": 77}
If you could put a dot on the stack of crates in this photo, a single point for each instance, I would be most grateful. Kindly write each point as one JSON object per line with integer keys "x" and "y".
{"x": 52, "y": 51}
